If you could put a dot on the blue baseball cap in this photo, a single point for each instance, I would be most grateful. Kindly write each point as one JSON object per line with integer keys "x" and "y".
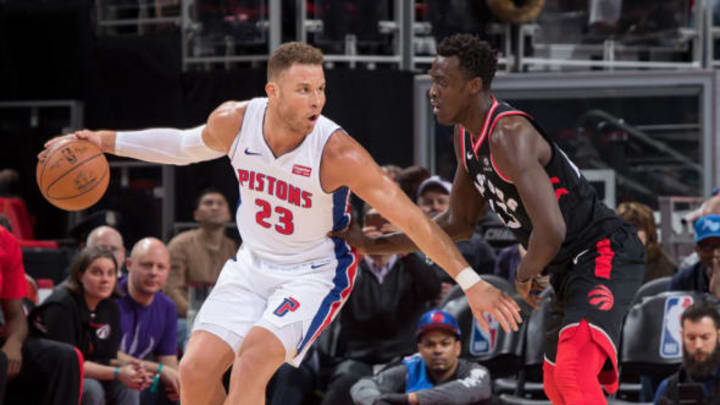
{"x": 707, "y": 227}
{"x": 438, "y": 319}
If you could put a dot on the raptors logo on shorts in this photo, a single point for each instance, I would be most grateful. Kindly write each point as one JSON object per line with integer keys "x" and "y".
{"x": 601, "y": 298}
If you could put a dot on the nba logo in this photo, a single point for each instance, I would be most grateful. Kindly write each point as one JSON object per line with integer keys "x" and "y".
{"x": 671, "y": 339}
{"x": 481, "y": 342}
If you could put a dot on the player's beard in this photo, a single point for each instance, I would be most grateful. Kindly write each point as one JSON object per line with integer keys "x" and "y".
{"x": 700, "y": 370}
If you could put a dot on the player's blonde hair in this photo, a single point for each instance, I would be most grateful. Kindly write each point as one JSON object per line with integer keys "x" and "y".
{"x": 289, "y": 53}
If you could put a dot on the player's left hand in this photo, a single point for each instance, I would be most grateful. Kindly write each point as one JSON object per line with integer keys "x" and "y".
{"x": 483, "y": 297}
{"x": 531, "y": 289}
{"x": 353, "y": 235}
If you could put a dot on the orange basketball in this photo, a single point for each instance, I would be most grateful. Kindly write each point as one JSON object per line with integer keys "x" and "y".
{"x": 73, "y": 175}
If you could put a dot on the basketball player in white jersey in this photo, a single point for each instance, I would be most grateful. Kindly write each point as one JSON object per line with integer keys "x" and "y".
{"x": 295, "y": 169}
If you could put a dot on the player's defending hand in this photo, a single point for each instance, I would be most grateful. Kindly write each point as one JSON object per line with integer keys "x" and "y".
{"x": 354, "y": 235}
{"x": 531, "y": 289}
{"x": 483, "y": 297}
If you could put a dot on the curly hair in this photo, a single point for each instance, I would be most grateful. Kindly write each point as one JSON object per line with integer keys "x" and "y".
{"x": 292, "y": 52}
{"x": 477, "y": 58}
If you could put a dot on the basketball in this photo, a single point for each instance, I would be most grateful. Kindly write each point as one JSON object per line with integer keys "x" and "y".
{"x": 73, "y": 175}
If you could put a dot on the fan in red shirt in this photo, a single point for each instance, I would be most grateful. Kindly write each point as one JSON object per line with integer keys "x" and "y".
{"x": 26, "y": 364}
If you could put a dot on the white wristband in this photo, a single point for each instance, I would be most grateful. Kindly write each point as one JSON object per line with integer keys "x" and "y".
{"x": 467, "y": 278}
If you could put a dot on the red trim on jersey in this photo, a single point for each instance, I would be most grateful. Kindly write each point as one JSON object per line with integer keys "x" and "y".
{"x": 484, "y": 132}
{"x": 492, "y": 128}
{"x": 603, "y": 263}
{"x": 81, "y": 364}
{"x": 462, "y": 148}
{"x": 498, "y": 171}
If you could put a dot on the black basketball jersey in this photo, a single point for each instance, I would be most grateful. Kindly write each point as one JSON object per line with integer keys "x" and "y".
{"x": 587, "y": 219}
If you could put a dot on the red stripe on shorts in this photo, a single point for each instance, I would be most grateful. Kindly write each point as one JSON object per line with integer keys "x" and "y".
{"x": 603, "y": 263}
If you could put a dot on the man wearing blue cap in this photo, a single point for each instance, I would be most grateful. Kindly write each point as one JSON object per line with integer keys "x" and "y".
{"x": 435, "y": 375}
{"x": 703, "y": 276}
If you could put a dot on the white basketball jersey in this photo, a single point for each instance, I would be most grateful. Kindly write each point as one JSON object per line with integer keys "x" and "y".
{"x": 283, "y": 214}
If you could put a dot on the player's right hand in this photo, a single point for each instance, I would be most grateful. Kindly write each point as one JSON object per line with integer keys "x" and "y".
{"x": 87, "y": 135}
{"x": 483, "y": 297}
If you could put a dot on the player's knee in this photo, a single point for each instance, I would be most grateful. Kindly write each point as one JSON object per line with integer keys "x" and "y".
{"x": 258, "y": 362}
{"x": 194, "y": 367}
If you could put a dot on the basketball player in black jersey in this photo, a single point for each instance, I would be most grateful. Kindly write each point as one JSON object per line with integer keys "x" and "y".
{"x": 506, "y": 161}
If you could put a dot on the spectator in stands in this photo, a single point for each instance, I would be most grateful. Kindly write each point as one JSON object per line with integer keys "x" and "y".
{"x": 704, "y": 276}
{"x": 433, "y": 197}
{"x": 392, "y": 171}
{"x": 410, "y": 179}
{"x": 29, "y": 363}
{"x": 110, "y": 239}
{"x": 709, "y": 206}
{"x": 433, "y": 376}
{"x": 149, "y": 319}
{"x": 658, "y": 263}
{"x": 8, "y": 177}
{"x": 701, "y": 358}
{"x": 82, "y": 313}
{"x": 378, "y": 321}
{"x": 198, "y": 255}
{"x": 508, "y": 260}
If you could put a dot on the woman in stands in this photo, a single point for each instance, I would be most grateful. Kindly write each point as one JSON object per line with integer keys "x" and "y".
{"x": 82, "y": 313}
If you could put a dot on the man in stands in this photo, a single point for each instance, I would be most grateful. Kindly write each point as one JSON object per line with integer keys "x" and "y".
{"x": 699, "y": 376}
{"x": 434, "y": 376}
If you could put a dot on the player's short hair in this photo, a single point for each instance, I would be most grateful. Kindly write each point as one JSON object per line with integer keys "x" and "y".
{"x": 476, "y": 57}
{"x": 700, "y": 310}
{"x": 285, "y": 55}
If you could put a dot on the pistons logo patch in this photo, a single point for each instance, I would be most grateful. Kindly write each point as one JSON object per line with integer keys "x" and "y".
{"x": 301, "y": 170}
{"x": 289, "y": 304}
{"x": 601, "y": 298}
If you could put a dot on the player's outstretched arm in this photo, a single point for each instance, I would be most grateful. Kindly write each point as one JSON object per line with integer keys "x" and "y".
{"x": 346, "y": 163}
{"x": 171, "y": 145}
{"x": 458, "y": 221}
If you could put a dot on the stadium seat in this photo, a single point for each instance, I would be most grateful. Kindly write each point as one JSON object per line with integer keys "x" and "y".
{"x": 500, "y": 352}
{"x": 652, "y": 287}
{"x": 529, "y": 378}
{"x": 48, "y": 263}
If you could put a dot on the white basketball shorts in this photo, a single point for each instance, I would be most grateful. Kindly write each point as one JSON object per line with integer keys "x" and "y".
{"x": 294, "y": 302}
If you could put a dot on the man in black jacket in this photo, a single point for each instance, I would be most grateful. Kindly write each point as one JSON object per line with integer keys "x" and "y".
{"x": 699, "y": 377}
{"x": 378, "y": 320}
